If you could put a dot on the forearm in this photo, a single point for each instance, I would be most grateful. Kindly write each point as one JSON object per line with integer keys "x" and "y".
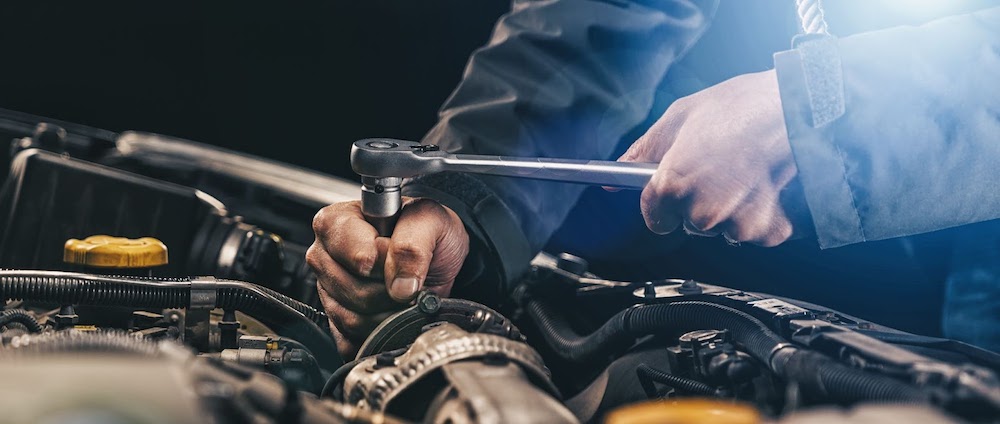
{"x": 559, "y": 78}
{"x": 914, "y": 145}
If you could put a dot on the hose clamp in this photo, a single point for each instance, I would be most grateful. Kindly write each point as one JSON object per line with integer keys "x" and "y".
{"x": 203, "y": 293}
{"x": 774, "y": 353}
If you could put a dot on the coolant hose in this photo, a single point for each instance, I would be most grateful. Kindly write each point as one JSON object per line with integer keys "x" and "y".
{"x": 22, "y": 317}
{"x": 281, "y": 313}
{"x": 609, "y": 338}
{"x": 816, "y": 374}
{"x": 115, "y": 341}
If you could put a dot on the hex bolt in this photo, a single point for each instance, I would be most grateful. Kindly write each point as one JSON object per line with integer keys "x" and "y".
{"x": 428, "y": 302}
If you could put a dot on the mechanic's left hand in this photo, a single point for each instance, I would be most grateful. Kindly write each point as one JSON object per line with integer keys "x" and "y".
{"x": 725, "y": 165}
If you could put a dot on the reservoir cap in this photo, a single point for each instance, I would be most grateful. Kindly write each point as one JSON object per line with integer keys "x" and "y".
{"x": 115, "y": 252}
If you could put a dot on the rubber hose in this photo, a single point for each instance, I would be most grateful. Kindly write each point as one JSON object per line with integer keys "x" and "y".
{"x": 817, "y": 375}
{"x": 337, "y": 378}
{"x": 683, "y": 317}
{"x": 279, "y": 312}
{"x": 80, "y": 341}
{"x": 606, "y": 340}
{"x": 644, "y": 372}
{"x": 823, "y": 376}
{"x": 22, "y": 317}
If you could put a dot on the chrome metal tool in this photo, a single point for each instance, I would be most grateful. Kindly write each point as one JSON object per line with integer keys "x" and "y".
{"x": 383, "y": 163}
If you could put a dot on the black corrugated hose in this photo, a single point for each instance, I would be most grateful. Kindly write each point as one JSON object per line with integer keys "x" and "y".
{"x": 112, "y": 341}
{"x": 22, "y": 317}
{"x": 279, "y": 312}
{"x": 816, "y": 374}
{"x": 647, "y": 375}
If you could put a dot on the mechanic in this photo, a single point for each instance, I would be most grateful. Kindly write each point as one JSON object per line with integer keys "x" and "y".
{"x": 751, "y": 158}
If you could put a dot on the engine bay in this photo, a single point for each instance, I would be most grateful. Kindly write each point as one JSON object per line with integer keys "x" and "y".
{"x": 208, "y": 313}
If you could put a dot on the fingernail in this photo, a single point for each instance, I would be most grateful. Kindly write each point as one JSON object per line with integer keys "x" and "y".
{"x": 403, "y": 288}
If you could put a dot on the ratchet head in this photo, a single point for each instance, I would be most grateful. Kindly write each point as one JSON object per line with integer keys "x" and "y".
{"x": 386, "y": 157}
{"x": 382, "y": 164}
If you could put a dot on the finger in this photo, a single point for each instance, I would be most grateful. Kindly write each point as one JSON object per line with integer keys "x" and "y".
{"x": 662, "y": 201}
{"x": 759, "y": 221}
{"x": 346, "y": 347}
{"x": 362, "y": 295}
{"x": 655, "y": 143}
{"x": 692, "y": 230}
{"x": 710, "y": 207}
{"x": 350, "y": 324}
{"x": 347, "y": 237}
{"x": 414, "y": 241}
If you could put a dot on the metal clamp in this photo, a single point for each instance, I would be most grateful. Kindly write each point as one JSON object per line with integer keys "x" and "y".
{"x": 203, "y": 293}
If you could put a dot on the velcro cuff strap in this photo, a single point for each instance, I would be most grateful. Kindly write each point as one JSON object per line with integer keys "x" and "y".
{"x": 824, "y": 76}
{"x": 488, "y": 220}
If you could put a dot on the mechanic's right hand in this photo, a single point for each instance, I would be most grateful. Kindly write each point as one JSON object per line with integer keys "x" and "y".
{"x": 364, "y": 278}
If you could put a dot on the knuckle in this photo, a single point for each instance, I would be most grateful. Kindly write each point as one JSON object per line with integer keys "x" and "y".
{"x": 363, "y": 258}
{"x": 314, "y": 256}
{"x": 665, "y": 186}
{"x": 739, "y": 232}
{"x": 333, "y": 216}
{"x": 677, "y": 108}
{"x": 781, "y": 234}
{"x": 639, "y": 149}
{"x": 703, "y": 221}
{"x": 409, "y": 251}
{"x": 320, "y": 220}
{"x": 428, "y": 207}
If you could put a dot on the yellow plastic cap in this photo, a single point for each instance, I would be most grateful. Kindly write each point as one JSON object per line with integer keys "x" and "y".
{"x": 684, "y": 411}
{"x": 115, "y": 252}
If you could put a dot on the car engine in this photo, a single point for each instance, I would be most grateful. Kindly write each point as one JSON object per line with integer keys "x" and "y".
{"x": 149, "y": 279}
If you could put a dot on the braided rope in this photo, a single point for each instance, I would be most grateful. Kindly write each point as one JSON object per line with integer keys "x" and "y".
{"x": 811, "y": 16}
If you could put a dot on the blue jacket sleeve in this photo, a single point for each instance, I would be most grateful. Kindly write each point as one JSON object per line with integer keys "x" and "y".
{"x": 559, "y": 78}
{"x": 896, "y": 132}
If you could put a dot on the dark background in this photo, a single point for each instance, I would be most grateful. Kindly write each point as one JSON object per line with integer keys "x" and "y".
{"x": 299, "y": 81}
{"x": 293, "y": 81}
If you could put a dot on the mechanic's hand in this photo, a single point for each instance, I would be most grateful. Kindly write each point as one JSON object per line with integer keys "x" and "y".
{"x": 725, "y": 165}
{"x": 364, "y": 278}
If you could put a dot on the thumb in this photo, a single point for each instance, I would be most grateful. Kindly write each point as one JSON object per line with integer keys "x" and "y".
{"x": 647, "y": 148}
{"x": 652, "y": 145}
{"x": 422, "y": 226}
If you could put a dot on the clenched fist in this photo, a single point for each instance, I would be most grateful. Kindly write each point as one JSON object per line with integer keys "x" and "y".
{"x": 725, "y": 165}
{"x": 363, "y": 278}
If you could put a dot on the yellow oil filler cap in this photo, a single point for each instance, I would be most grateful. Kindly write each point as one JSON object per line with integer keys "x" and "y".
{"x": 115, "y": 252}
{"x": 684, "y": 411}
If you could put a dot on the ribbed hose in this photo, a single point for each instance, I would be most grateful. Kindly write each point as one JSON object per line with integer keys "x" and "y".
{"x": 80, "y": 341}
{"x": 279, "y": 312}
{"x": 606, "y": 340}
{"x": 683, "y": 317}
{"x": 245, "y": 297}
{"x": 648, "y": 374}
{"x": 82, "y": 289}
{"x": 816, "y": 375}
{"x": 22, "y": 317}
{"x": 823, "y": 378}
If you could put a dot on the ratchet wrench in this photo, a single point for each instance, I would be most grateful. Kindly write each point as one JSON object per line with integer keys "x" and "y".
{"x": 383, "y": 163}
